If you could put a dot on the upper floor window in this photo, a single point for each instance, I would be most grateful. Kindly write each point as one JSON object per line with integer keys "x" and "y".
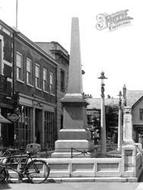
{"x": 37, "y": 75}
{"x": 29, "y": 71}
{"x": 141, "y": 113}
{"x": 45, "y": 80}
{"x": 52, "y": 87}
{"x": 0, "y": 56}
{"x": 19, "y": 66}
{"x": 62, "y": 74}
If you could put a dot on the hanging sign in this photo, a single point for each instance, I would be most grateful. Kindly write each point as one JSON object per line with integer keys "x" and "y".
{"x": 13, "y": 117}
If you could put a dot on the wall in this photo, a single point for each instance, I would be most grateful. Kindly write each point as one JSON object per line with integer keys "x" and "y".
{"x": 61, "y": 56}
{"x": 115, "y": 169}
{"x": 36, "y": 57}
{"x": 135, "y": 113}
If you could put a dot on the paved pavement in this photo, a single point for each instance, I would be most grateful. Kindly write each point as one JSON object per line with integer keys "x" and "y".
{"x": 52, "y": 185}
{"x": 73, "y": 186}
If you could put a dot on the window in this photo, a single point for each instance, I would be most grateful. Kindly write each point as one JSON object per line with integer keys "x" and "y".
{"x": 52, "y": 90}
{"x": 141, "y": 113}
{"x": 19, "y": 66}
{"x": 37, "y": 75}
{"x": 50, "y": 131}
{"x": 62, "y": 73}
{"x": 29, "y": 71}
{"x": 45, "y": 80}
{"x": 24, "y": 127}
{"x": 0, "y": 56}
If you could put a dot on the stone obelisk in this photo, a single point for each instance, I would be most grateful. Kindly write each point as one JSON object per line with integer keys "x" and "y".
{"x": 74, "y": 138}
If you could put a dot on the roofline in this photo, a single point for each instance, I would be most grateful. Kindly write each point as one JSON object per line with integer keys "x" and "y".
{"x": 63, "y": 52}
{"x": 30, "y": 42}
{"x": 22, "y": 36}
{"x": 136, "y": 102}
{"x": 57, "y": 44}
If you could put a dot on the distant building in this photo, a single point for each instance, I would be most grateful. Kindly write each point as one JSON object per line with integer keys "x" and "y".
{"x": 94, "y": 106}
{"x": 131, "y": 98}
{"x": 134, "y": 99}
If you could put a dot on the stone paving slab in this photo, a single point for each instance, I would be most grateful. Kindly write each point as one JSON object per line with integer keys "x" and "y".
{"x": 84, "y": 179}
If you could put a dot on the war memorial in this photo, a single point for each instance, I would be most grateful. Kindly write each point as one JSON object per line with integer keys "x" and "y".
{"x": 75, "y": 158}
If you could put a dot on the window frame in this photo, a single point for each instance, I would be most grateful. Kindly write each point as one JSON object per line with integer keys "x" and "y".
{"x": 62, "y": 80}
{"x": 2, "y": 54}
{"x": 28, "y": 76}
{"x": 45, "y": 80}
{"x": 51, "y": 83}
{"x": 37, "y": 77}
{"x": 19, "y": 70}
{"x": 141, "y": 114}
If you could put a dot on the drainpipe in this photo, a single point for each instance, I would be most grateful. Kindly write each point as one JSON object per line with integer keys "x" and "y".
{"x": 13, "y": 67}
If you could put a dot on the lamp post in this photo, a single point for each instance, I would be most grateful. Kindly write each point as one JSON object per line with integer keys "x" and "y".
{"x": 103, "y": 124}
{"x": 120, "y": 129}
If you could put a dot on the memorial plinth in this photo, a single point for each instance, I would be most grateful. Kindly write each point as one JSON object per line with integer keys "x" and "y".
{"x": 74, "y": 135}
{"x": 127, "y": 126}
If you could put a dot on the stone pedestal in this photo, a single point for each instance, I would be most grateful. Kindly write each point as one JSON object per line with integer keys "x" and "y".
{"x": 127, "y": 127}
{"x": 74, "y": 139}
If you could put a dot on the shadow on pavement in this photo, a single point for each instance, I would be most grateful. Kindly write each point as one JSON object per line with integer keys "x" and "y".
{"x": 4, "y": 186}
{"x": 141, "y": 177}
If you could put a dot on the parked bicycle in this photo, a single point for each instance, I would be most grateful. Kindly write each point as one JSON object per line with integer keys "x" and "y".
{"x": 27, "y": 167}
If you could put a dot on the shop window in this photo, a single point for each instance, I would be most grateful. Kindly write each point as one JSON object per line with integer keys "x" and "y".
{"x": 50, "y": 130}
{"x": 24, "y": 127}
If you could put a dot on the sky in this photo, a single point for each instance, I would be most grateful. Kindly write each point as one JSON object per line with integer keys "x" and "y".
{"x": 118, "y": 53}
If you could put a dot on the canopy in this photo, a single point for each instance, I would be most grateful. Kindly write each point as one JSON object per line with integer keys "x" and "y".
{"x": 3, "y": 119}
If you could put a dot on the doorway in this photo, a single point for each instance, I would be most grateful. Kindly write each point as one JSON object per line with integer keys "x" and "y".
{"x": 38, "y": 125}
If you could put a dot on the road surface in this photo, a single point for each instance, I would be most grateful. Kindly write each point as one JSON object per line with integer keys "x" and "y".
{"x": 73, "y": 186}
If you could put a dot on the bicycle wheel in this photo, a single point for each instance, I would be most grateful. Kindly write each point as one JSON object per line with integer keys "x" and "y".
{"x": 37, "y": 171}
{"x": 3, "y": 175}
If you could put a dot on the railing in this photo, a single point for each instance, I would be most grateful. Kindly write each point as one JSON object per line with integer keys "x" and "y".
{"x": 110, "y": 148}
{"x": 74, "y": 152}
{"x": 79, "y": 152}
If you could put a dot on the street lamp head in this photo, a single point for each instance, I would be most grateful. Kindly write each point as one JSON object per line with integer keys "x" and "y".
{"x": 102, "y": 76}
{"x": 120, "y": 94}
{"x": 120, "y": 99}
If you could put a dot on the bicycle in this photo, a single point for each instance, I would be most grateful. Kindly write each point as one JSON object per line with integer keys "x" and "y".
{"x": 25, "y": 165}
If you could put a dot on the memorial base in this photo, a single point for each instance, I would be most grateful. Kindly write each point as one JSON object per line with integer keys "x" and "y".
{"x": 73, "y": 148}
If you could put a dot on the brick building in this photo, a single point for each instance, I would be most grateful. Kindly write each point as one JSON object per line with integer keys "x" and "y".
{"x": 31, "y": 77}
{"x": 62, "y": 58}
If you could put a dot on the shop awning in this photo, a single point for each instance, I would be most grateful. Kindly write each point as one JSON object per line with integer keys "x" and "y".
{"x": 3, "y": 119}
